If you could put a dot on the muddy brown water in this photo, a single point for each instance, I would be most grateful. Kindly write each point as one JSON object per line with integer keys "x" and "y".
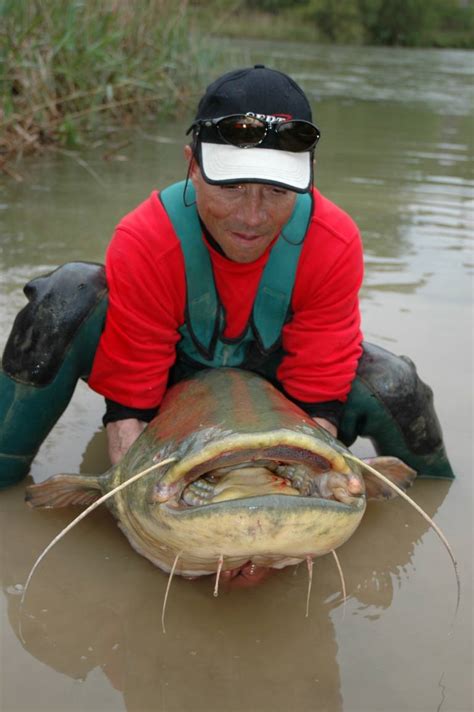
{"x": 395, "y": 152}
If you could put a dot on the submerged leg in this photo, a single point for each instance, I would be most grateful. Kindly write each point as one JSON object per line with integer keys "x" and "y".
{"x": 52, "y": 344}
{"x": 391, "y": 405}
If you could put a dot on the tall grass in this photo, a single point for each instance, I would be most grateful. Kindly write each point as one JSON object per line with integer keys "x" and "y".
{"x": 71, "y": 67}
{"x": 71, "y": 70}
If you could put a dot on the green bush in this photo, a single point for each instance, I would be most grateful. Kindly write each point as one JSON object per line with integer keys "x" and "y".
{"x": 338, "y": 22}
{"x": 402, "y": 22}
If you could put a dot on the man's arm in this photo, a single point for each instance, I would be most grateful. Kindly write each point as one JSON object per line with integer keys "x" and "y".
{"x": 327, "y": 425}
{"x": 147, "y": 296}
{"x": 322, "y": 340}
{"x": 121, "y": 434}
{"x": 146, "y": 308}
{"x": 123, "y": 425}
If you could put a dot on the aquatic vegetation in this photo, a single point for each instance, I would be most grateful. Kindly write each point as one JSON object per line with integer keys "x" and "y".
{"x": 72, "y": 69}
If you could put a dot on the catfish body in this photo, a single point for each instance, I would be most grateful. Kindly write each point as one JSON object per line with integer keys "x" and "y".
{"x": 253, "y": 479}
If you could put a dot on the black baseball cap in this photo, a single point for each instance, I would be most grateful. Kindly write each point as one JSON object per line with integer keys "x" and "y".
{"x": 266, "y": 93}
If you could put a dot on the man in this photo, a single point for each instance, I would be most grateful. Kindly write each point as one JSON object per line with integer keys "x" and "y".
{"x": 244, "y": 264}
{"x": 285, "y": 261}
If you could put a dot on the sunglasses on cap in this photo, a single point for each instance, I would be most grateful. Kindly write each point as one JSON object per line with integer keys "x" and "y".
{"x": 248, "y": 131}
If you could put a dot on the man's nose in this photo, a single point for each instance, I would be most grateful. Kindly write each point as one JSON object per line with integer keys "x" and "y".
{"x": 253, "y": 210}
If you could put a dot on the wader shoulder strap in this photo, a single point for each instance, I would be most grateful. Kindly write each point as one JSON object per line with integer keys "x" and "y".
{"x": 272, "y": 303}
{"x": 201, "y": 295}
{"x": 274, "y": 294}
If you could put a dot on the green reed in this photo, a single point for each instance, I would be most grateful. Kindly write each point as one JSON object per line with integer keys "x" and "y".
{"x": 74, "y": 68}
{"x": 71, "y": 70}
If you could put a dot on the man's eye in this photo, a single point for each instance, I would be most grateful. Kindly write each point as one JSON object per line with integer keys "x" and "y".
{"x": 233, "y": 186}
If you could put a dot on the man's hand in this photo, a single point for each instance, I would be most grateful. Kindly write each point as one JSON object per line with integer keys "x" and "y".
{"x": 327, "y": 425}
{"x": 121, "y": 435}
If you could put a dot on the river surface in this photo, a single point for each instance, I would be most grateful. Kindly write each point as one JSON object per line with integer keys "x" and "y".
{"x": 396, "y": 153}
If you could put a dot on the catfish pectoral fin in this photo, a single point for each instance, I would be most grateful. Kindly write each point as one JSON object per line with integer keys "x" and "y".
{"x": 394, "y": 469}
{"x": 64, "y": 490}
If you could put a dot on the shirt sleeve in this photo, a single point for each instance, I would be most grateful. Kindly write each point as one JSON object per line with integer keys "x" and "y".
{"x": 322, "y": 341}
{"x": 146, "y": 308}
{"x": 329, "y": 410}
{"x": 116, "y": 411}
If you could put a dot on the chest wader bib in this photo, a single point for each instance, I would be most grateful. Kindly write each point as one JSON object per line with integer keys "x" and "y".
{"x": 55, "y": 336}
{"x": 202, "y": 343}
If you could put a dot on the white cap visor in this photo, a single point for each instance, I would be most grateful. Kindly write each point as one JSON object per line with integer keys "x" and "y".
{"x": 222, "y": 163}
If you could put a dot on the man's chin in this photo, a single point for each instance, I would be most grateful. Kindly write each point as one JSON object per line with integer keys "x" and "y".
{"x": 243, "y": 249}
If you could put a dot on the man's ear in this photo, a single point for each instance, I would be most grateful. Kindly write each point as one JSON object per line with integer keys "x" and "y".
{"x": 189, "y": 157}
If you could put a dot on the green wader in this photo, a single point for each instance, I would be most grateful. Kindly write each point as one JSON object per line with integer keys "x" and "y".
{"x": 51, "y": 345}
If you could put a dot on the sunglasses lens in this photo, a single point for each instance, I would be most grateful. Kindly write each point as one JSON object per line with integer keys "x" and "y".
{"x": 242, "y": 131}
{"x": 297, "y": 136}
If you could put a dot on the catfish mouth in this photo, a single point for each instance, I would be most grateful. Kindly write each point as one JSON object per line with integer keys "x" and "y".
{"x": 284, "y": 470}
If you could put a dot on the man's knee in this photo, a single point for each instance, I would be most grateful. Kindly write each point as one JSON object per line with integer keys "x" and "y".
{"x": 59, "y": 304}
{"x": 52, "y": 344}
{"x": 391, "y": 405}
{"x": 394, "y": 382}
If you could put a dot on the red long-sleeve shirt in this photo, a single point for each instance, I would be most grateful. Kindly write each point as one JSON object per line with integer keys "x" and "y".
{"x": 147, "y": 293}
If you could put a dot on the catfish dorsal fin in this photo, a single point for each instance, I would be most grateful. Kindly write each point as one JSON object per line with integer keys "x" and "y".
{"x": 63, "y": 491}
{"x": 394, "y": 469}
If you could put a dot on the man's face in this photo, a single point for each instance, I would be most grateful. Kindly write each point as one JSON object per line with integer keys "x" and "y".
{"x": 242, "y": 218}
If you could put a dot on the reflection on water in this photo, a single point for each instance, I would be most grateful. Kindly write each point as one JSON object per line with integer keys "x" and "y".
{"x": 439, "y": 80}
{"x": 86, "y": 620}
{"x": 395, "y": 152}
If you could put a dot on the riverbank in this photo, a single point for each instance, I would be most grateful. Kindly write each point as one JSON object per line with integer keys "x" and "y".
{"x": 72, "y": 73}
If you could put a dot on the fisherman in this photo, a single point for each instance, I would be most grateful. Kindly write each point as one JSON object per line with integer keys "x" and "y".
{"x": 250, "y": 161}
{"x": 243, "y": 264}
